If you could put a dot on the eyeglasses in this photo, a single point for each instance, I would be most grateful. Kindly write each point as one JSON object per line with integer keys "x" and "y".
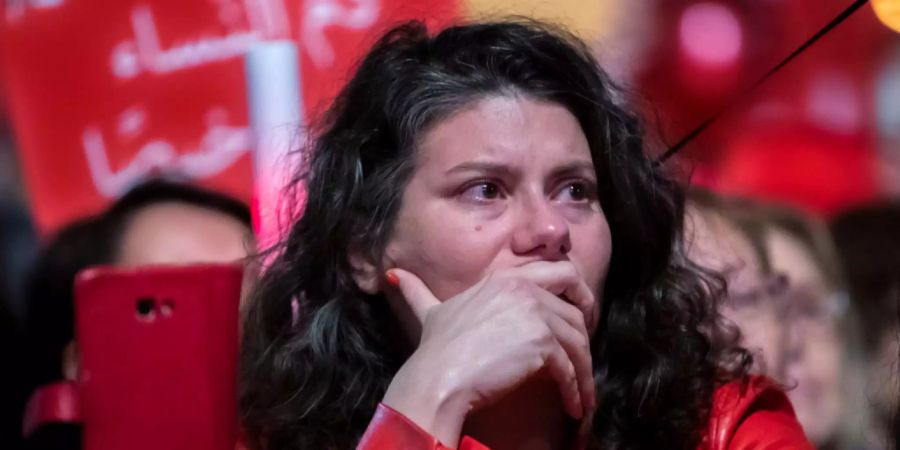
{"x": 812, "y": 303}
{"x": 772, "y": 288}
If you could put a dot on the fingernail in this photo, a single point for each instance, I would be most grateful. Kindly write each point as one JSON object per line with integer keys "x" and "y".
{"x": 392, "y": 278}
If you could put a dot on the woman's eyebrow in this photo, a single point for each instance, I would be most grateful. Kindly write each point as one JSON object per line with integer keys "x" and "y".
{"x": 484, "y": 167}
{"x": 584, "y": 168}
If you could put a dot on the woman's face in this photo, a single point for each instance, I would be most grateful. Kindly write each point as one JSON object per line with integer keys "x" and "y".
{"x": 813, "y": 351}
{"x": 501, "y": 183}
{"x": 713, "y": 242}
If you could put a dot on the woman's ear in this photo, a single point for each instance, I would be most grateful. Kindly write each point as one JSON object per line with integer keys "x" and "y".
{"x": 366, "y": 274}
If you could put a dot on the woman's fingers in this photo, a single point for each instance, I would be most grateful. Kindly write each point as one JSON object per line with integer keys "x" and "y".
{"x": 577, "y": 348}
{"x": 563, "y": 305}
{"x": 566, "y": 311}
{"x": 562, "y": 279}
{"x": 569, "y": 319}
{"x": 562, "y": 370}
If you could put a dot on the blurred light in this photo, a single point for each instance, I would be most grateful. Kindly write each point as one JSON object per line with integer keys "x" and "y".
{"x": 887, "y": 116}
{"x": 834, "y": 103}
{"x": 799, "y": 164}
{"x": 711, "y": 34}
{"x": 887, "y": 99}
{"x": 592, "y": 19}
{"x": 888, "y": 12}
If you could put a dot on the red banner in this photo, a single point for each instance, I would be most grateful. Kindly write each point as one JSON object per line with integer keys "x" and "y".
{"x": 106, "y": 92}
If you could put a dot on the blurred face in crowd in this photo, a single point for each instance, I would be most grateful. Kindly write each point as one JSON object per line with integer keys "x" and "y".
{"x": 173, "y": 233}
{"x": 715, "y": 243}
{"x": 180, "y": 233}
{"x": 813, "y": 347}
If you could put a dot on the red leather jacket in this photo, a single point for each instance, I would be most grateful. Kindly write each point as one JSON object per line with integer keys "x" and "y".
{"x": 755, "y": 415}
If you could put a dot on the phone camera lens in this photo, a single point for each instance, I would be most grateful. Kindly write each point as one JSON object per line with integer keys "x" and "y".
{"x": 146, "y": 308}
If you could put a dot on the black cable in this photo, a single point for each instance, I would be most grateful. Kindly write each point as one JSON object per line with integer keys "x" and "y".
{"x": 738, "y": 98}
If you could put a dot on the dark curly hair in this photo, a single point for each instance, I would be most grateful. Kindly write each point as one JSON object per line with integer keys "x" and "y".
{"x": 315, "y": 382}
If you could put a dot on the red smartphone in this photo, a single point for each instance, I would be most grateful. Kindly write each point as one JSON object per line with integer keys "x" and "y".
{"x": 158, "y": 351}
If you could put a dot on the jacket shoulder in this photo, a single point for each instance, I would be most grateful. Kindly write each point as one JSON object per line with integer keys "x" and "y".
{"x": 752, "y": 413}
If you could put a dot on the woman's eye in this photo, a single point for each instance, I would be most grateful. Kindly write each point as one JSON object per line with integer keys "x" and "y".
{"x": 576, "y": 192}
{"x": 482, "y": 192}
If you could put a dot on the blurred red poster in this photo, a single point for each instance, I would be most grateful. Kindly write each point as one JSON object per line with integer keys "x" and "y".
{"x": 103, "y": 93}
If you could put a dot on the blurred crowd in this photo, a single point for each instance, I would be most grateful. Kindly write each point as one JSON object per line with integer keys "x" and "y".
{"x": 816, "y": 302}
{"x": 156, "y": 223}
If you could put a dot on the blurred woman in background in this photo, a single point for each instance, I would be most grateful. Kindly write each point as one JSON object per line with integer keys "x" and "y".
{"x": 800, "y": 320}
{"x": 821, "y": 352}
{"x": 157, "y": 222}
{"x": 716, "y": 239}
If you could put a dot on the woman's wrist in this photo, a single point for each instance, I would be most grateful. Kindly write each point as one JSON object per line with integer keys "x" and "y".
{"x": 429, "y": 396}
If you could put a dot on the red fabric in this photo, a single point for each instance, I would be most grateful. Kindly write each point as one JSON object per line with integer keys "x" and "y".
{"x": 753, "y": 415}
{"x": 58, "y": 403}
{"x": 745, "y": 415}
{"x": 391, "y": 430}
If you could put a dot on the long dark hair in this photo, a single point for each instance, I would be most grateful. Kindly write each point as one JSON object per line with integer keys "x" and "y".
{"x": 314, "y": 380}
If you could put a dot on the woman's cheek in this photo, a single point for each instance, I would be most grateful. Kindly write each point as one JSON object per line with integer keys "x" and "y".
{"x": 452, "y": 264}
{"x": 473, "y": 255}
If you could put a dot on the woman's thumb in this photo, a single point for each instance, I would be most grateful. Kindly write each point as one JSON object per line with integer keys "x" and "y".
{"x": 414, "y": 291}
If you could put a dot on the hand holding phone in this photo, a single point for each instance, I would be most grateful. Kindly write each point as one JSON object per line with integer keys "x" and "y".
{"x": 158, "y": 349}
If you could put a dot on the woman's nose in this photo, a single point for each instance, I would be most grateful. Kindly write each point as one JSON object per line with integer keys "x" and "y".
{"x": 543, "y": 231}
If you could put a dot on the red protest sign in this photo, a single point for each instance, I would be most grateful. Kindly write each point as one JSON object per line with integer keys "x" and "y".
{"x": 104, "y": 93}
